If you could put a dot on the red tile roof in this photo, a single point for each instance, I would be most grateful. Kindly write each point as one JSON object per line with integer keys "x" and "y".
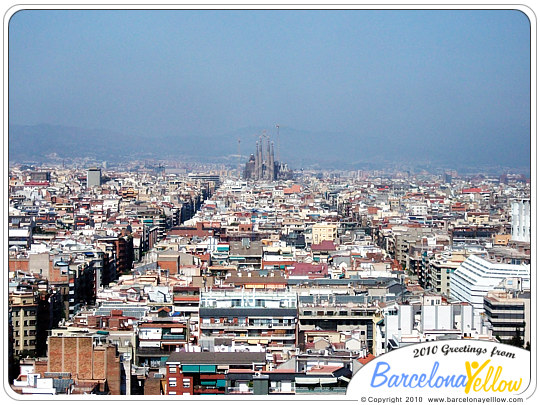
{"x": 309, "y": 269}
{"x": 324, "y": 245}
{"x": 472, "y": 190}
{"x": 366, "y": 360}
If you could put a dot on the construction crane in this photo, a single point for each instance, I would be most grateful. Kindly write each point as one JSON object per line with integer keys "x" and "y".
{"x": 239, "y": 158}
{"x": 278, "y": 157}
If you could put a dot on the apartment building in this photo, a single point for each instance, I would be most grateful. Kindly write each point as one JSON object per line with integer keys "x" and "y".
{"x": 24, "y": 311}
{"x": 476, "y": 276}
{"x": 86, "y": 358}
{"x": 339, "y": 313}
{"x": 253, "y": 317}
{"x": 521, "y": 220}
{"x": 508, "y": 314}
{"x": 93, "y": 177}
{"x": 431, "y": 320}
{"x": 317, "y": 380}
{"x": 323, "y": 231}
{"x": 439, "y": 269}
{"x": 200, "y": 373}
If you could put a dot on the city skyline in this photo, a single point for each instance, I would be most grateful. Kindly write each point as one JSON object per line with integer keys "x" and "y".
{"x": 178, "y": 282}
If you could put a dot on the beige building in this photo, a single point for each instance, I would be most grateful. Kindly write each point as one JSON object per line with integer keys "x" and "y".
{"x": 23, "y": 306}
{"x": 441, "y": 268}
{"x": 477, "y": 218}
{"x": 324, "y": 231}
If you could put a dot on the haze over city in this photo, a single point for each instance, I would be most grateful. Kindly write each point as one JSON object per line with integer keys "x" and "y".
{"x": 451, "y": 87}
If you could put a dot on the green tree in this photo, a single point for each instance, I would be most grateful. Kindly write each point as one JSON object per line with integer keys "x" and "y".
{"x": 516, "y": 339}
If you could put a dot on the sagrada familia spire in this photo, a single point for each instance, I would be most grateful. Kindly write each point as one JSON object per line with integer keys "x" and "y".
{"x": 261, "y": 165}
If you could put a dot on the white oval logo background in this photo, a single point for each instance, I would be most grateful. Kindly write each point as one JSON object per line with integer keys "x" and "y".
{"x": 446, "y": 368}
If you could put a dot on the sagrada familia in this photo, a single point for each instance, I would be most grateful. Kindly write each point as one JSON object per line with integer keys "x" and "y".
{"x": 262, "y": 166}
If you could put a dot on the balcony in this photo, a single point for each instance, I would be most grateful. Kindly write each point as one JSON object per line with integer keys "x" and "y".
{"x": 233, "y": 327}
{"x": 240, "y": 390}
{"x": 224, "y": 326}
{"x": 200, "y": 389}
{"x": 280, "y": 390}
{"x": 271, "y": 326}
{"x": 280, "y": 337}
{"x": 321, "y": 390}
{"x": 173, "y": 337}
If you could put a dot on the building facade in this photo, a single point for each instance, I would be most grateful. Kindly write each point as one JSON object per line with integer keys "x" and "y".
{"x": 254, "y": 318}
{"x": 521, "y": 220}
{"x": 508, "y": 315}
{"x": 475, "y": 277}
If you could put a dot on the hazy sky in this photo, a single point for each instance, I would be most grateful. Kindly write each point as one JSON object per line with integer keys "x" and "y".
{"x": 423, "y": 76}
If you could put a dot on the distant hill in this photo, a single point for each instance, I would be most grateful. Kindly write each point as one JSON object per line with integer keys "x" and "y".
{"x": 37, "y": 142}
{"x": 299, "y": 148}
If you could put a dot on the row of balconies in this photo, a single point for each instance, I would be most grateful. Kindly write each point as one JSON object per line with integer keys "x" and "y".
{"x": 320, "y": 390}
{"x": 201, "y": 389}
{"x": 240, "y": 390}
{"x": 249, "y": 390}
{"x": 235, "y": 326}
{"x": 243, "y": 336}
{"x": 503, "y": 313}
{"x": 350, "y": 314}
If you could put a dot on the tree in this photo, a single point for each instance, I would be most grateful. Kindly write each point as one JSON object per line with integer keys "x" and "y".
{"x": 516, "y": 339}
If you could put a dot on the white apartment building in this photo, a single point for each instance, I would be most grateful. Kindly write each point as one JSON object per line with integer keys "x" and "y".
{"x": 404, "y": 325}
{"x": 476, "y": 276}
{"x": 521, "y": 220}
{"x": 254, "y": 318}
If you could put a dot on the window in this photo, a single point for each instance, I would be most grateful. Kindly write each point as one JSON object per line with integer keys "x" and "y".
{"x": 172, "y": 369}
{"x": 186, "y": 383}
{"x": 172, "y": 382}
